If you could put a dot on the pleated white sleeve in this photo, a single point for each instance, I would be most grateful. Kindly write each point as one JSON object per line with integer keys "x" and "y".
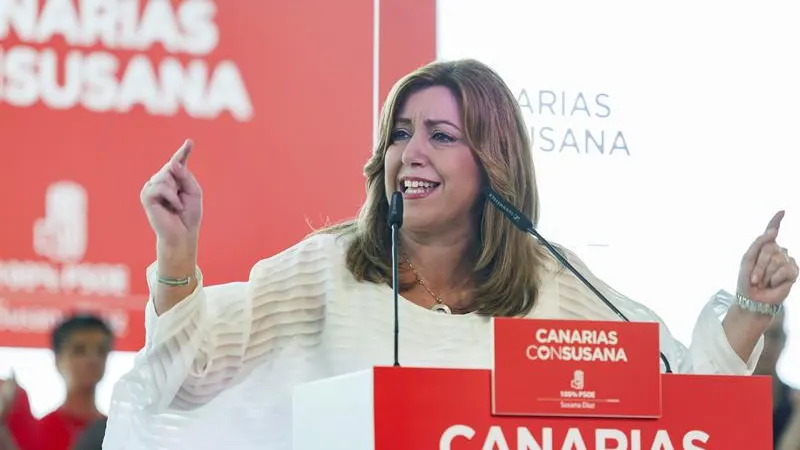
{"x": 214, "y": 337}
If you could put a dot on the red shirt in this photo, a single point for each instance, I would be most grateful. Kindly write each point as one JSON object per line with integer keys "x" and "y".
{"x": 59, "y": 430}
{"x": 55, "y": 431}
{"x": 21, "y": 423}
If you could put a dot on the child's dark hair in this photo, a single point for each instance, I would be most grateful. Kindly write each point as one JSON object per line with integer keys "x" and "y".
{"x": 77, "y": 322}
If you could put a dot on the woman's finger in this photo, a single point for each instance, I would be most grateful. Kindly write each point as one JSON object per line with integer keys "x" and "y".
{"x": 165, "y": 196}
{"x": 778, "y": 260}
{"x": 764, "y": 256}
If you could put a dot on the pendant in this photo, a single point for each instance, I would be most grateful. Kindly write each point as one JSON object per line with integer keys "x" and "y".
{"x": 442, "y": 308}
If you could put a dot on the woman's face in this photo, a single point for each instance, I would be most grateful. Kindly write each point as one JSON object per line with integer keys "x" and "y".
{"x": 428, "y": 161}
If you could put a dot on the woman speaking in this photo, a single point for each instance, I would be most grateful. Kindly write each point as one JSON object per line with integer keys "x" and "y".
{"x": 220, "y": 361}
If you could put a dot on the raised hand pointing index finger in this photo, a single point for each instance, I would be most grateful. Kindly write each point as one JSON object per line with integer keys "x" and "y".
{"x": 754, "y": 261}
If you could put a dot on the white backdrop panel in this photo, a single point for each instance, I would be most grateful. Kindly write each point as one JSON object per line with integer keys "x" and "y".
{"x": 702, "y": 101}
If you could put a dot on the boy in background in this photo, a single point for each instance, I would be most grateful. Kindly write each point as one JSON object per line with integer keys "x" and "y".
{"x": 81, "y": 345}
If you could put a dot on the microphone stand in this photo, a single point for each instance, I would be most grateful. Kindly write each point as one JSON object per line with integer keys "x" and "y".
{"x": 395, "y": 220}
{"x": 396, "y": 292}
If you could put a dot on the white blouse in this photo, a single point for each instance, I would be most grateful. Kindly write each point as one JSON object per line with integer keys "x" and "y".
{"x": 218, "y": 368}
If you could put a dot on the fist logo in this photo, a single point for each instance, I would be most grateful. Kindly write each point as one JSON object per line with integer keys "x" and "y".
{"x": 61, "y": 235}
{"x": 577, "y": 380}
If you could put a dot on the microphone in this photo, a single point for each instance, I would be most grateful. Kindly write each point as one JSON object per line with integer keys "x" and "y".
{"x": 523, "y": 223}
{"x": 395, "y": 221}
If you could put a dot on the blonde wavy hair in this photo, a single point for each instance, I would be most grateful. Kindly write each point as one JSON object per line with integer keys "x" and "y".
{"x": 506, "y": 262}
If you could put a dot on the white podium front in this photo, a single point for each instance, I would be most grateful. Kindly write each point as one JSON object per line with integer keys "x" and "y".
{"x": 335, "y": 413}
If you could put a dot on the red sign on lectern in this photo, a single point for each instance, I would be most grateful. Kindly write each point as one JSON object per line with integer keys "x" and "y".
{"x": 576, "y": 368}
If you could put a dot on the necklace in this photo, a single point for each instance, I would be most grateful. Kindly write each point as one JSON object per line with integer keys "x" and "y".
{"x": 440, "y": 306}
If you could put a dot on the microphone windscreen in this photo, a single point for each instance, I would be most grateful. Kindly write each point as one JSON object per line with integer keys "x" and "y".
{"x": 396, "y": 210}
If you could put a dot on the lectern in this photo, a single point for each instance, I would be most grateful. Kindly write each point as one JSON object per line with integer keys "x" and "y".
{"x": 555, "y": 385}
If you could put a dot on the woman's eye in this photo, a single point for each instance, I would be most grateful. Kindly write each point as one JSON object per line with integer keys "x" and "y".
{"x": 399, "y": 135}
{"x": 441, "y": 137}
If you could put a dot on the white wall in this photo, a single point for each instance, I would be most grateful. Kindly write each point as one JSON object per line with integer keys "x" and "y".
{"x": 705, "y": 94}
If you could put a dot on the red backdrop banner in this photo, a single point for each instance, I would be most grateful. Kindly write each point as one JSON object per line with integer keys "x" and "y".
{"x": 95, "y": 96}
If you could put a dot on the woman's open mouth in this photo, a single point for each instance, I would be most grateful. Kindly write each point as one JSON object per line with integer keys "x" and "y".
{"x": 416, "y": 188}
